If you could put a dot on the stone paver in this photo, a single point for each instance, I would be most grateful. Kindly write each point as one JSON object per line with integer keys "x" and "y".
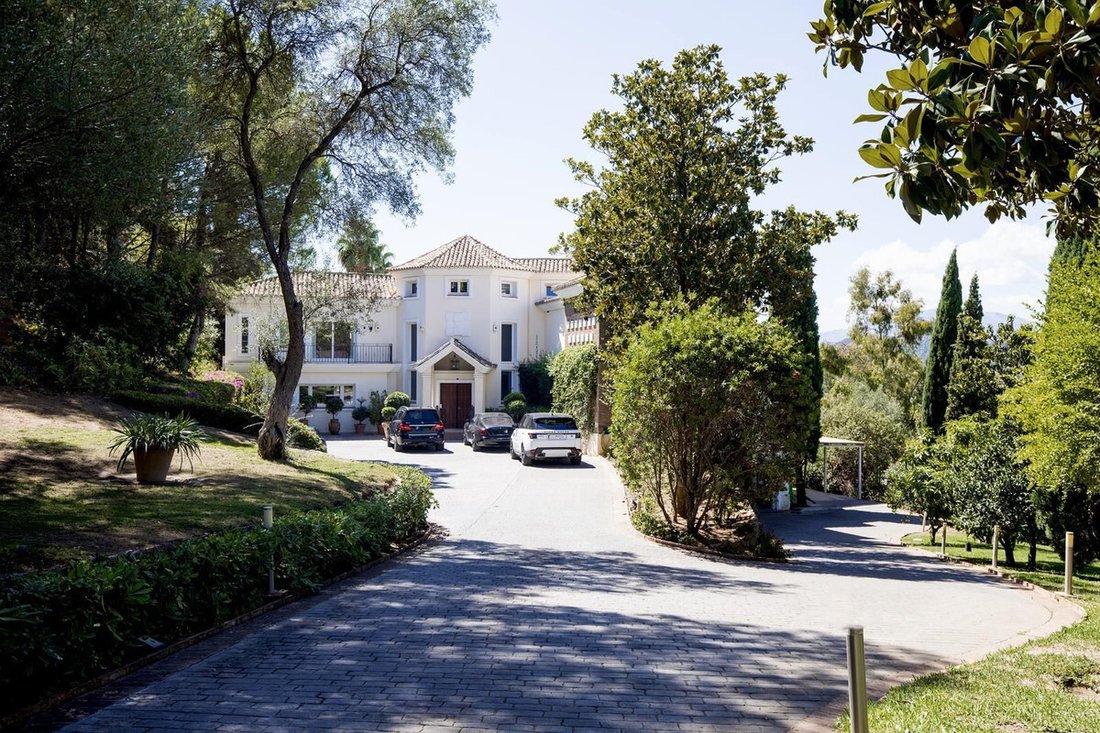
{"x": 542, "y": 610}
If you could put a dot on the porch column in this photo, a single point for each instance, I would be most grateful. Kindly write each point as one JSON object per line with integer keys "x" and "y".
{"x": 425, "y": 396}
{"x": 479, "y": 392}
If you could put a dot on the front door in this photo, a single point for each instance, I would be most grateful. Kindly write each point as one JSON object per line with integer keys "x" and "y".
{"x": 457, "y": 401}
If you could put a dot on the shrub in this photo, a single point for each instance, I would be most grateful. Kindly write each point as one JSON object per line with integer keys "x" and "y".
{"x": 224, "y": 416}
{"x": 377, "y": 402}
{"x": 256, "y": 390}
{"x": 101, "y": 364}
{"x": 62, "y": 626}
{"x": 854, "y": 411}
{"x": 700, "y": 446}
{"x": 309, "y": 403}
{"x": 575, "y": 373}
{"x": 514, "y": 397}
{"x": 360, "y": 413}
{"x": 396, "y": 400}
{"x": 300, "y": 435}
{"x": 334, "y": 405}
{"x": 535, "y": 380}
{"x": 388, "y": 413}
{"x": 516, "y": 409}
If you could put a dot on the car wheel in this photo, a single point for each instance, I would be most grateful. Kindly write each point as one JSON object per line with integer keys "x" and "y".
{"x": 397, "y": 445}
{"x": 575, "y": 460}
{"x": 438, "y": 446}
{"x": 465, "y": 439}
{"x": 524, "y": 458}
{"x": 474, "y": 446}
{"x": 512, "y": 453}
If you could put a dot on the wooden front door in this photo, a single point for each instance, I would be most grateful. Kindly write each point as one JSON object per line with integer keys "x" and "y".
{"x": 457, "y": 401}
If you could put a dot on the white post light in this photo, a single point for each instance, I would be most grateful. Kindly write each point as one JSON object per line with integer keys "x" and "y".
{"x": 1068, "y": 588}
{"x": 996, "y": 542}
{"x": 269, "y": 522}
{"x": 859, "y": 474}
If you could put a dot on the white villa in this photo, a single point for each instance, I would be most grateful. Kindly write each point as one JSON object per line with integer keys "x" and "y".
{"x": 449, "y": 327}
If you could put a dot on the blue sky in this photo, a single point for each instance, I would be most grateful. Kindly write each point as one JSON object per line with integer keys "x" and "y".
{"x": 548, "y": 68}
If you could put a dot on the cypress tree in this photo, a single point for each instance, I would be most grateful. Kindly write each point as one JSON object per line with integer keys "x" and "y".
{"x": 803, "y": 323}
{"x": 973, "y": 386}
{"x": 945, "y": 329}
{"x": 1071, "y": 250}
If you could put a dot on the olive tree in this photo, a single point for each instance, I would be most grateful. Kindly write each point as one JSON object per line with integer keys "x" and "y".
{"x": 703, "y": 416}
{"x": 365, "y": 89}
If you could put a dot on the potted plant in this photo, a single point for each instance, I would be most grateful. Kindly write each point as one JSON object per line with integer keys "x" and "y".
{"x": 307, "y": 405}
{"x": 387, "y": 415}
{"x": 377, "y": 402}
{"x": 359, "y": 414}
{"x": 334, "y": 405}
{"x": 153, "y": 441}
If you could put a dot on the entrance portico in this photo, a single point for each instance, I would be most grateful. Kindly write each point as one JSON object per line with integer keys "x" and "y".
{"x": 452, "y": 378}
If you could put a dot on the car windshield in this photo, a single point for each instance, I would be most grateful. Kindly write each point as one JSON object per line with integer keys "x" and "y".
{"x": 555, "y": 423}
{"x": 421, "y": 417}
{"x": 493, "y": 421}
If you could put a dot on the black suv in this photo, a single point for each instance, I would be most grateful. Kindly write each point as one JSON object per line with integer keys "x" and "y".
{"x": 416, "y": 426}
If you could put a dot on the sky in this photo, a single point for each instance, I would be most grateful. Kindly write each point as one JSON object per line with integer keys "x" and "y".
{"x": 548, "y": 68}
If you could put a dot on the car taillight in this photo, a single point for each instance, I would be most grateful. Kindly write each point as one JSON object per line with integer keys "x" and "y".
{"x": 405, "y": 427}
{"x": 439, "y": 426}
{"x": 483, "y": 432}
{"x": 534, "y": 436}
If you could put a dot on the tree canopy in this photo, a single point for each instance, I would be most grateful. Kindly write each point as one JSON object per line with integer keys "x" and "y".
{"x": 670, "y": 214}
{"x": 993, "y": 104}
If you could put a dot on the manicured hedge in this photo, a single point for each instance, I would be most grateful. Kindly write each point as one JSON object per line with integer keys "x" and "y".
{"x": 226, "y": 416}
{"x": 63, "y": 626}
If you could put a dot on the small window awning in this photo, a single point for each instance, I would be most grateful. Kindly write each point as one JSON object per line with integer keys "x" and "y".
{"x": 839, "y": 441}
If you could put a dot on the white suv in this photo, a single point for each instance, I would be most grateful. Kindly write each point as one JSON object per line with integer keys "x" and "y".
{"x": 546, "y": 435}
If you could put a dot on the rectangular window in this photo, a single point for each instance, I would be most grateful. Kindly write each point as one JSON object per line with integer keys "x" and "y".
{"x": 505, "y": 383}
{"x": 459, "y": 287}
{"x": 412, "y": 288}
{"x": 332, "y": 340}
{"x": 346, "y": 392}
{"x": 412, "y": 386}
{"x": 244, "y": 334}
{"x": 508, "y": 290}
{"x": 413, "y": 346}
{"x": 507, "y": 342}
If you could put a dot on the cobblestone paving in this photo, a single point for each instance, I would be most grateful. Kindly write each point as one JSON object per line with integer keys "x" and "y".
{"x": 543, "y": 611}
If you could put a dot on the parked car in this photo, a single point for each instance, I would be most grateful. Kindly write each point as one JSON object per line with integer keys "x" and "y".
{"x": 488, "y": 430}
{"x": 416, "y": 426}
{"x": 546, "y": 435}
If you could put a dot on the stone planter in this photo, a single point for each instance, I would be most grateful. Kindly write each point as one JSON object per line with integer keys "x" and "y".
{"x": 333, "y": 427}
{"x": 152, "y": 465}
{"x": 360, "y": 428}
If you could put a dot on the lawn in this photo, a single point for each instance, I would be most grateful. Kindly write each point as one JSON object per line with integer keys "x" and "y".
{"x": 1051, "y": 684}
{"x": 60, "y": 496}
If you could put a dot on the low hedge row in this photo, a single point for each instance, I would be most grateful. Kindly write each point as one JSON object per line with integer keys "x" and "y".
{"x": 64, "y": 626}
{"x": 226, "y": 416}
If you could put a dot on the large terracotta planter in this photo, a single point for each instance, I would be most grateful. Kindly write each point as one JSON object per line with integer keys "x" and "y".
{"x": 152, "y": 465}
{"x": 360, "y": 428}
{"x": 333, "y": 427}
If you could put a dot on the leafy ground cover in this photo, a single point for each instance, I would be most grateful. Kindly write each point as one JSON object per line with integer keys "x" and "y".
{"x": 60, "y": 496}
{"x": 1051, "y": 684}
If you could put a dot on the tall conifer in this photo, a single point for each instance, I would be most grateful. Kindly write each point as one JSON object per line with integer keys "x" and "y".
{"x": 973, "y": 385}
{"x": 945, "y": 329}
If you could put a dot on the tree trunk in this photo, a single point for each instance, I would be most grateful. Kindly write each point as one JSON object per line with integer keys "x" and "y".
{"x": 1008, "y": 542}
{"x": 271, "y": 443}
{"x": 193, "y": 340}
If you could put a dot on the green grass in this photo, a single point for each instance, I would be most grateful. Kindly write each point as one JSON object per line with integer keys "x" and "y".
{"x": 1051, "y": 684}
{"x": 60, "y": 498}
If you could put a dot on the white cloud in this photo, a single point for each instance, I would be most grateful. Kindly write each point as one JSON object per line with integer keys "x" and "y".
{"x": 1010, "y": 258}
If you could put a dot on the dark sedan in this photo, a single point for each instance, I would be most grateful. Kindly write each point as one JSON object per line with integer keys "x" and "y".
{"x": 488, "y": 430}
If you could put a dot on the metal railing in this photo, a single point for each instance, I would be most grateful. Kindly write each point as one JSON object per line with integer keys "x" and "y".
{"x": 353, "y": 354}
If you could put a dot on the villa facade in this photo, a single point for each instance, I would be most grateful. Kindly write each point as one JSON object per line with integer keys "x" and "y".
{"x": 449, "y": 327}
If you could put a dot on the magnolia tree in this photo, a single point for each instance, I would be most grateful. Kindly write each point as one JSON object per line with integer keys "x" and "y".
{"x": 703, "y": 411}
{"x": 366, "y": 90}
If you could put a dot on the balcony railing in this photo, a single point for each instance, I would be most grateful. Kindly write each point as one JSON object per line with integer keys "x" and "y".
{"x": 355, "y": 354}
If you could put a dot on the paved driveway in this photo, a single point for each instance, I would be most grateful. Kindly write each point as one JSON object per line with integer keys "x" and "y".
{"x": 543, "y": 610}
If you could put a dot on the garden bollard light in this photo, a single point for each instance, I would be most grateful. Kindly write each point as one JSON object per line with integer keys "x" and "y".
{"x": 996, "y": 542}
{"x": 857, "y": 681}
{"x": 269, "y": 522}
{"x": 1069, "y": 564}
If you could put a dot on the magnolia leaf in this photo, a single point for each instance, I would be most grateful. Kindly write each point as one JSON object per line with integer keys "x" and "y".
{"x": 874, "y": 157}
{"x": 981, "y": 50}
{"x": 869, "y": 118}
{"x": 876, "y": 8}
{"x": 1053, "y": 22}
{"x": 900, "y": 79}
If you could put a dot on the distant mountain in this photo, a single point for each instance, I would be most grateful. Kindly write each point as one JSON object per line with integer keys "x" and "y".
{"x": 839, "y": 336}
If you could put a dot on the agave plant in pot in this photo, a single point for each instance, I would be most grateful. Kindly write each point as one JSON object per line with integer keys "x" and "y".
{"x": 153, "y": 441}
{"x": 359, "y": 415}
{"x": 334, "y": 405}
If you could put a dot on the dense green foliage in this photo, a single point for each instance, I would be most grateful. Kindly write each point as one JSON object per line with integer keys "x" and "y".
{"x": 575, "y": 371}
{"x": 972, "y": 388}
{"x": 854, "y": 411}
{"x": 360, "y": 249}
{"x": 941, "y": 351}
{"x": 149, "y": 432}
{"x": 536, "y": 381}
{"x": 60, "y": 627}
{"x": 994, "y": 102}
{"x": 300, "y": 435}
{"x": 700, "y": 447}
{"x": 917, "y": 482}
{"x": 224, "y": 415}
{"x": 669, "y": 215}
{"x": 396, "y": 399}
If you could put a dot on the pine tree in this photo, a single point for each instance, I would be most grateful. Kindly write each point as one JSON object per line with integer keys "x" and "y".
{"x": 937, "y": 370}
{"x": 803, "y": 323}
{"x": 972, "y": 389}
{"x": 1071, "y": 250}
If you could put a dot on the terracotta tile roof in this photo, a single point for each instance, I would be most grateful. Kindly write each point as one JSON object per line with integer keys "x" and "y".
{"x": 469, "y": 252}
{"x": 328, "y": 284}
{"x": 462, "y": 252}
{"x": 546, "y": 264}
